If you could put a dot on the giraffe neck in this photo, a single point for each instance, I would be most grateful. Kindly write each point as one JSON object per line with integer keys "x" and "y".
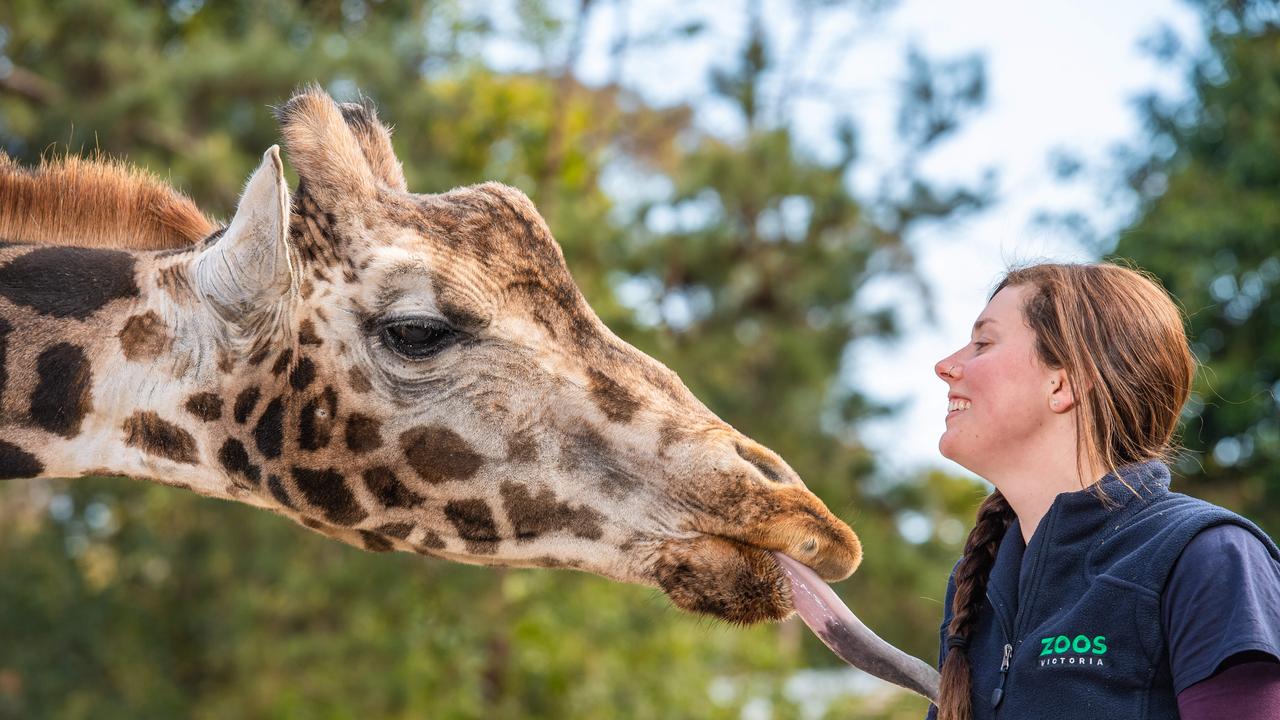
{"x": 108, "y": 366}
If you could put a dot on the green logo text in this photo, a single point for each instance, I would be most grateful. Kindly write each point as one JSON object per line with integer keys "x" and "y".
{"x": 1079, "y": 644}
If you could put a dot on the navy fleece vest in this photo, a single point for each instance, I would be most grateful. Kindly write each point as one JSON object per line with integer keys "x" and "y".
{"x": 1071, "y": 624}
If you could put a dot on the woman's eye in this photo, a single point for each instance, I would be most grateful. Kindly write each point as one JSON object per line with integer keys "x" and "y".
{"x": 979, "y": 344}
{"x": 416, "y": 339}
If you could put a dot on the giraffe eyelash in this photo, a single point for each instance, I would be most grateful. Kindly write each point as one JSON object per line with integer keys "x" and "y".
{"x": 417, "y": 338}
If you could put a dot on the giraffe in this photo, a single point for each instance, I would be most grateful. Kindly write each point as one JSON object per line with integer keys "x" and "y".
{"x": 398, "y": 371}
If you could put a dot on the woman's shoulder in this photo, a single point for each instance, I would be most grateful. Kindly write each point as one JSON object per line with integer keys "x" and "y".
{"x": 1222, "y": 598}
{"x": 1140, "y": 541}
{"x": 1229, "y": 543}
{"x": 1167, "y": 524}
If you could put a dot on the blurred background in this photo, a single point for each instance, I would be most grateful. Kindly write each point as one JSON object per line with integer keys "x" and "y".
{"x": 798, "y": 205}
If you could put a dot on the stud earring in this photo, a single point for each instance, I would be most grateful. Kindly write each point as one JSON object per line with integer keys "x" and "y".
{"x": 1054, "y": 402}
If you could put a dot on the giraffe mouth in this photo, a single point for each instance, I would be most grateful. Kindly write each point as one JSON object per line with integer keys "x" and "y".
{"x": 725, "y": 578}
{"x": 745, "y": 585}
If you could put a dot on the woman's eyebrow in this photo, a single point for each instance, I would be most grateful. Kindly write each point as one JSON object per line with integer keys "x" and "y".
{"x": 978, "y": 325}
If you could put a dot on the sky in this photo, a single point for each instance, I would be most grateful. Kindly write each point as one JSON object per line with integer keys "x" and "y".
{"x": 1061, "y": 75}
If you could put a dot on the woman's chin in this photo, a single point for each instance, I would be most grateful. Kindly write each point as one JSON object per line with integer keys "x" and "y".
{"x": 949, "y": 447}
{"x": 944, "y": 445}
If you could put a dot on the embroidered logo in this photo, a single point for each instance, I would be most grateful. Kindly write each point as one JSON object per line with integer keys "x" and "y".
{"x": 1078, "y": 650}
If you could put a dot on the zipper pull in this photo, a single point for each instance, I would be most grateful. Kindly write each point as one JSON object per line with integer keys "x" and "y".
{"x": 998, "y": 694}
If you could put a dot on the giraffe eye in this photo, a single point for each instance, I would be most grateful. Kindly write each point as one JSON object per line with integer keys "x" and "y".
{"x": 417, "y": 339}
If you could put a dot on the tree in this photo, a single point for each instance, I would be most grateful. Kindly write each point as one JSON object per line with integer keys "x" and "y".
{"x": 1209, "y": 227}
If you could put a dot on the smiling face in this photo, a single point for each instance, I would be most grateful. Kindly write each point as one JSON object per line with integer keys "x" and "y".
{"x": 1000, "y": 393}
{"x": 436, "y": 383}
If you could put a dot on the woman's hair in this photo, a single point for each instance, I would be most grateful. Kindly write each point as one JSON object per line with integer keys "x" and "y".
{"x": 1120, "y": 339}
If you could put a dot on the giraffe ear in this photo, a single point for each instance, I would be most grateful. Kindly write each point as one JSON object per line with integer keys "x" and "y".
{"x": 374, "y": 140}
{"x": 245, "y": 276}
{"x": 323, "y": 149}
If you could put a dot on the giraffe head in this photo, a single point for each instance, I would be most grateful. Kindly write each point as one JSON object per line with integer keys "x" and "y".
{"x": 419, "y": 372}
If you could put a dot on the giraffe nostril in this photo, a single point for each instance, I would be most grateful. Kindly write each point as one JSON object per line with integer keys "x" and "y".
{"x": 773, "y": 470}
{"x": 809, "y": 547}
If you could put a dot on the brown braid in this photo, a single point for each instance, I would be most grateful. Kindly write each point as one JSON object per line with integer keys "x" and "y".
{"x": 994, "y": 517}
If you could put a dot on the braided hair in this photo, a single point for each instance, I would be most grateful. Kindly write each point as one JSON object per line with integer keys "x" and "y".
{"x": 994, "y": 518}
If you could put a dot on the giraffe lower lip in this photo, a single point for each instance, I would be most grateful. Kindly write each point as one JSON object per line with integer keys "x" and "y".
{"x": 839, "y": 629}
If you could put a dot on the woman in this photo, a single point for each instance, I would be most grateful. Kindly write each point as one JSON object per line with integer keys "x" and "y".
{"x": 1088, "y": 590}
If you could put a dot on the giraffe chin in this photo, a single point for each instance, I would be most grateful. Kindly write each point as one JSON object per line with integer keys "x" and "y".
{"x": 727, "y": 579}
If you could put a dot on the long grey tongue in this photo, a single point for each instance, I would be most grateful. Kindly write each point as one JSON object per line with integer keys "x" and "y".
{"x": 832, "y": 621}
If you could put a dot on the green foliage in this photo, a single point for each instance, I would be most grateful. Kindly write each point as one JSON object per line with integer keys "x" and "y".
{"x": 1208, "y": 228}
{"x": 124, "y": 600}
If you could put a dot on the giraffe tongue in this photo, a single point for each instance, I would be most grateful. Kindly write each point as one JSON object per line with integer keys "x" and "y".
{"x": 832, "y": 621}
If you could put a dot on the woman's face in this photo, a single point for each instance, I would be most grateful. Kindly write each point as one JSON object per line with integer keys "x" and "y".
{"x": 999, "y": 391}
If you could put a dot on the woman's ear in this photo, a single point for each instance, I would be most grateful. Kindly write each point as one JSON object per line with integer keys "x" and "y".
{"x": 1061, "y": 398}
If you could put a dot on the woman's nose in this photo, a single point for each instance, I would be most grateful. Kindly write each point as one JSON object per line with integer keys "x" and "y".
{"x": 947, "y": 368}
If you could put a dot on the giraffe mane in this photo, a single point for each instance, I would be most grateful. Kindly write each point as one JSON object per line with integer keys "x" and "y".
{"x": 95, "y": 202}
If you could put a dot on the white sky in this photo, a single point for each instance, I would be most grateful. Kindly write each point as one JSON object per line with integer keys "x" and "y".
{"x": 1060, "y": 74}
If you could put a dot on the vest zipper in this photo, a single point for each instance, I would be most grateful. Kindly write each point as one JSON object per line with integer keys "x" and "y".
{"x": 1014, "y": 634}
{"x": 998, "y": 694}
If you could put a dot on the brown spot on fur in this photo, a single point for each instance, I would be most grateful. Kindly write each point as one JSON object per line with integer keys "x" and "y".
{"x": 307, "y": 334}
{"x": 206, "y": 406}
{"x": 616, "y": 402}
{"x": 363, "y": 434}
{"x": 522, "y": 447}
{"x": 430, "y": 541}
{"x": 359, "y": 383}
{"x": 153, "y": 435}
{"x": 268, "y": 434}
{"x": 95, "y": 203}
{"x": 278, "y": 491}
{"x": 316, "y": 420}
{"x": 395, "y": 530}
{"x": 62, "y": 396}
{"x": 387, "y": 488}
{"x": 532, "y": 515}
{"x": 303, "y": 374}
{"x": 438, "y": 454}
{"x": 18, "y": 463}
{"x": 235, "y": 460}
{"x": 306, "y": 289}
{"x": 282, "y": 362}
{"x": 474, "y": 522}
{"x": 327, "y": 489}
{"x": 144, "y": 336}
{"x": 246, "y": 401}
{"x": 586, "y": 448}
{"x": 374, "y": 542}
